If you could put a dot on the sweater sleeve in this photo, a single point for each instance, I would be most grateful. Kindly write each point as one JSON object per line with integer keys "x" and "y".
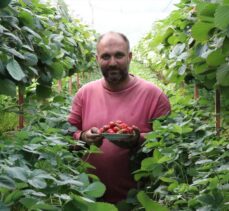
{"x": 163, "y": 107}
{"x": 75, "y": 116}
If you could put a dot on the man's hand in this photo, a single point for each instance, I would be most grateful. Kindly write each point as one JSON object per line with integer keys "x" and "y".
{"x": 92, "y": 136}
{"x": 131, "y": 142}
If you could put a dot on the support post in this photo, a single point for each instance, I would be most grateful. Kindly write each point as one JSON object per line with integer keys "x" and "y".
{"x": 70, "y": 85}
{"x": 20, "y": 105}
{"x": 196, "y": 92}
{"x": 59, "y": 86}
{"x": 77, "y": 81}
{"x": 217, "y": 111}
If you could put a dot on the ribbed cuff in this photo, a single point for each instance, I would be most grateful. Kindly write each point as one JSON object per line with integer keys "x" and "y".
{"x": 77, "y": 134}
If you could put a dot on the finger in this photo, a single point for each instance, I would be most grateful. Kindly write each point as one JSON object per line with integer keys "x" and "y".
{"x": 94, "y": 135}
{"x": 94, "y": 130}
{"x": 136, "y": 131}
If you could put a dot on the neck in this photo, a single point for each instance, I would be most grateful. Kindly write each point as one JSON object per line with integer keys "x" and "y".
{"x": 120, "y": 86}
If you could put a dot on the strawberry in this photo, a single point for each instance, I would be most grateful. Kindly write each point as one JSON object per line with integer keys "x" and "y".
{"x": 101, "y": 130}
{"x": 123, "y": 125}
{"x": 106, "y": 127}
{"x": 112, "y": 124}
{"x": 119, "y": 122}
{"x": 116, "y": 129}
{"x": 130, "y": 129}
{"x": 110, "y": 131}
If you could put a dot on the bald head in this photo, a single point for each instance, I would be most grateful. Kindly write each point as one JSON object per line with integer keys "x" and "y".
{"x": 114, "y": 35}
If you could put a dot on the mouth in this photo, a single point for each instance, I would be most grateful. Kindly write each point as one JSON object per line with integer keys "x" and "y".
{"x": 112, "y": 72}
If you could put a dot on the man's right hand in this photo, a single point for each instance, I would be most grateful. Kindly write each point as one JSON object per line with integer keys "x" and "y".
{"x": 92, "y": 136}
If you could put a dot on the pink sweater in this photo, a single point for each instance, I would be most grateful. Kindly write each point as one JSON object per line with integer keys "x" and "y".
{"x": 94, "y": 106}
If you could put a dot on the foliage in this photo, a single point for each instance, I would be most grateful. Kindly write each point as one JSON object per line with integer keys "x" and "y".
{"x": 39, "y": 44}
{"x": 192, "y": 44}
{"x": 183, "y": 164}
{"x": 186, "y": 164}
{"x": 39, "y": 168}
{"x": 8, "y": 118}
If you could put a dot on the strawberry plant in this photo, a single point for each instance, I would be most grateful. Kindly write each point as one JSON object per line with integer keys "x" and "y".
{"x": 39, "y": 171}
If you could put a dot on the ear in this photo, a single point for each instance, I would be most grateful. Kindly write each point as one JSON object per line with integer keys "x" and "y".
{"x": 96, "y": 56}
{"x": 130, "y": 55}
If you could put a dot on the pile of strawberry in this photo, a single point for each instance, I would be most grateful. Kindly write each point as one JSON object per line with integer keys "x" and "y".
{"x": 117, "y": 127}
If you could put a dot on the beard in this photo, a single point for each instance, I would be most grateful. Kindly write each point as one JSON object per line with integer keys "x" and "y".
{"x": 115, "y": 76}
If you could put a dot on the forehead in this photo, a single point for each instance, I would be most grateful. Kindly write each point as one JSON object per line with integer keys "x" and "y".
{"x": 112, "y": 42}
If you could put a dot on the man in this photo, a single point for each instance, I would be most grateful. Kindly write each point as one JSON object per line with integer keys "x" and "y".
{"x": 117, "y": 96}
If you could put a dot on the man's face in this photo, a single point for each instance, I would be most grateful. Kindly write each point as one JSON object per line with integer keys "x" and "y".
{"x": 113, "y": 58}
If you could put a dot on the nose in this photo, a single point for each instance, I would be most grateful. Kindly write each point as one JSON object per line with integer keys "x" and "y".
{"x": 113, "y": 61}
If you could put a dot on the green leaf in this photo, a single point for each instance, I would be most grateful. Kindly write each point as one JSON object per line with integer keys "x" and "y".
{"x": 225, "y": 47}
{"x": 13, "y": 52}
{"x": 14, "y": 69}
{"x": 3, "y": 207}
{"x": 222, "y": 17}
{"x": 169, "y": 31}
{"x": 215, "y": 58}
{"x": 206, "y": 9}
{"x": 25, "y": 28}
{"x": 17, "y": 173}
{"x": 31, "y": 59}
{"x": 8, "y": 87}
{"x": 177, "y": 50}
{"x": 78, "y": 203}
{"x": 7, "y": 182}
{"x": 57, "y": 70}
{"x": 84, "y": 179}
{"x": 199, "y": 69}
{"x": 34, "y": 71}
{"x": 12, "y": 197}
{"x": 149, "y": 204}
{"x": 2, "y": 29}
{"x": 28, "y": 202}
{"x": 181, "y": 129}
{"x": 4, "y": 3}
{"x": 222, "y": 75}
{"x": 37, "y": 183}
{"x": 169, "y": 180}
{"x": 2, "y": 68}
{"x": 182, "y": 69}
{"x": 30, "y": 192}
{"x": 43, "y": 206}
{"x": 13, "y": 37}
{"x": 101, "y": 206}
{"x": 43, "y": 91}
{"x": 200, "y": 31}
{"x": 148, "y": 164}
{"x": 96, "y": 189}
{"x": 27, "y": 18}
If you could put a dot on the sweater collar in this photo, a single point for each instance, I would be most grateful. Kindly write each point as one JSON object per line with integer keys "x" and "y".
{"x": 128, "y": 85}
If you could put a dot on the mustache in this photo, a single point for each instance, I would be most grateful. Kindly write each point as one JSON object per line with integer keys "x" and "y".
{"x": 112, "y": 68}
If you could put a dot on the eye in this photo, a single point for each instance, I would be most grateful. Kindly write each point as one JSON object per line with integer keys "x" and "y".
{"x": 119, "y": 55}
{"x": 105, "y": 56}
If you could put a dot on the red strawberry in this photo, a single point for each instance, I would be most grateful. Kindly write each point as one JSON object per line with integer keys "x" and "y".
{"x": 101, "y": 130}
{"x": 110, "y": 131}
{"x": 116, "y": 129}
{"x": 112, "y": 124}
{"x": 106, "y": 127}
{"x": 119, "y": 121}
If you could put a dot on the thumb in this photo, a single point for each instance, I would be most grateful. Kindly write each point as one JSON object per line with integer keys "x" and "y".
{"x": 94, "y": 130}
